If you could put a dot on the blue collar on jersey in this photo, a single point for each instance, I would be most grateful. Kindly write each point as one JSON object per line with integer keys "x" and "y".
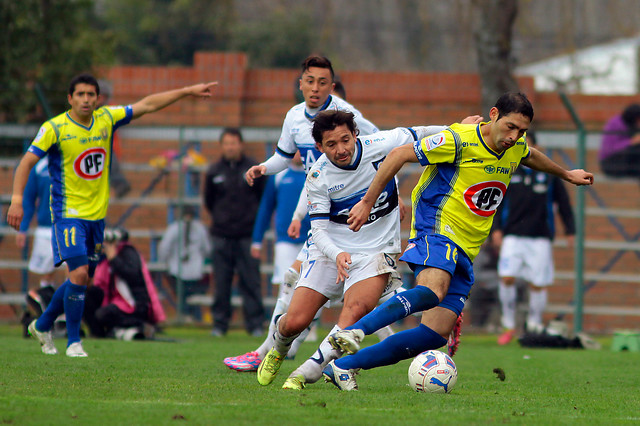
{"x": 322, "y": 108}
{"x": 79, "y": 124}
{"x": 358, "y": 155}
{"x": 491, "y": 151}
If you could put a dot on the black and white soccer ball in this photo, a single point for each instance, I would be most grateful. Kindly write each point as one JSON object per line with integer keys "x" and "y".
{"x": 433, "y": 372}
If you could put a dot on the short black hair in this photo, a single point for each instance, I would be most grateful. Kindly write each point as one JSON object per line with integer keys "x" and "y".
{"x": 339, "y": 90}
{"x": 514, "y": 102}
{"x": 329, "y": 120}
{"x": 235, "y": 131}
{"x": 318, "y": 62}
{"x": 86, "y": 79}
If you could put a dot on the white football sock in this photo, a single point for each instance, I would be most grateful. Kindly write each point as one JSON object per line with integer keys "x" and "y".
{"x": 537, "y": 304}
{"x": 507, "y": 295}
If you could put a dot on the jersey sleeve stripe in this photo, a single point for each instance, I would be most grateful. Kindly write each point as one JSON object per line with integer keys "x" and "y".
{"x": 317, "y": 216}
{"x": 284, "y": 154}
{"x": 413, "y": 133}
{"x": 126, "y": 120}
{"x": 37, "y": 151}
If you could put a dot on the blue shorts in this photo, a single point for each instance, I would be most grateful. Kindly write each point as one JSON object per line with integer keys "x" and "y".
{"x": 438, "y": 251}
{"x": 72, "y": 238}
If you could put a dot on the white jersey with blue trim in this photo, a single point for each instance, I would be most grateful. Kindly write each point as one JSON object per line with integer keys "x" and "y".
{"x": 296, "y": 130}
{"x": 332, "y": 191}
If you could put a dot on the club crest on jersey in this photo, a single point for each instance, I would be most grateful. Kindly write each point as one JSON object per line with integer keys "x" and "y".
{"x": 90, "y": 164}
{"x": 434, "y": 141}
{"x": 484, "y": 198}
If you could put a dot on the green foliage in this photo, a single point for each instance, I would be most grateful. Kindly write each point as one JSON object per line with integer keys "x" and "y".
{"x": 164, "y": 32}
{"x": 46, "y": 43}
{"x": 184, "y": 379}
{"x": 281, "y": 39}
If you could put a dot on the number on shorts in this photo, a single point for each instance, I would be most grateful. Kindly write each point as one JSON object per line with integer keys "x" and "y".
{"x": 311, "y": 263}
{"x": 449, "y": 253}
{"x": 70, "y": 232}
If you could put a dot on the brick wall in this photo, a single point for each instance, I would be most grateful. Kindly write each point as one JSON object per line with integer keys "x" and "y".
{"x": 260, "y": 98}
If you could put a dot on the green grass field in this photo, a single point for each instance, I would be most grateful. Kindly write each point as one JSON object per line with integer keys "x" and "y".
{"x": 185, "y": 382}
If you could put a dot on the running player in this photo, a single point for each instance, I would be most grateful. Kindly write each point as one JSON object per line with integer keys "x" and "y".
{"x": 467, "y": 171}
{"x": 316, "y": 84}
{"x": 341, "y": 264}
{"x": 78, "y": 143}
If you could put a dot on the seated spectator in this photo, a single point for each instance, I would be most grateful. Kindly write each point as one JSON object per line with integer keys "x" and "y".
{"x": 123, "y": 301}
{"x": 620, "y": 150}
{"x": 184, "y": 247}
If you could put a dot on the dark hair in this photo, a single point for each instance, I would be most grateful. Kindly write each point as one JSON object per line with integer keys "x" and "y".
{"x": 631, "y": 115}
{"x": 86, "y": 79}
{"x": 338, "y": 88}
{"x": 234, "y": 131}
{"x": 329, "y": 120}
{"x": 318, "y": 62}
{"x": 514, "y": 102}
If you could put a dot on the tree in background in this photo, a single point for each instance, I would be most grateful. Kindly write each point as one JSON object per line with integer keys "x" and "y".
{"x": 493, "y": 35}
{"x": 166, "y": 32}
{"x": 44, "y": 43}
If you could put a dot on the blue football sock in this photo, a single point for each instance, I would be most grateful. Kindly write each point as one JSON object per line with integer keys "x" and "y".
{"x": 73, "y": 308}
{"x": 403, "y": 345}
{"x": 54, "y": 310}
{"x": 399, "y": 306}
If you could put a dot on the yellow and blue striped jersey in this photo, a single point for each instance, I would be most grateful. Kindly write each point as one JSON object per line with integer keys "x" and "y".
{"x": 79, "y": 160}
{"x": 462, "y": 185}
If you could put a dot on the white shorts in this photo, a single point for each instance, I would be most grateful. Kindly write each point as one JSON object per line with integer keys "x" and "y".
{"x": 527, "y": 258}
{"x": 304, "y": 251}
{"x": 320, "y": 274}
{"x": 41, "y": 261}
{"x": 284, "y": 254}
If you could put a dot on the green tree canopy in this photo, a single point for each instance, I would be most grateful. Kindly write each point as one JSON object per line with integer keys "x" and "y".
{"x": 44, "y": 43}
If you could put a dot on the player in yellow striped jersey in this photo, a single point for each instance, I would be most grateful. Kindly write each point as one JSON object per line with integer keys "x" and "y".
{"x": 467, "y": 171}
{"x": 78, "y": 143}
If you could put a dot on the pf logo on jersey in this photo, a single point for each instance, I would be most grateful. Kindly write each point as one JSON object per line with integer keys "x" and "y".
{"x": 484, "y": 198}
{"x": 90, "y": 164}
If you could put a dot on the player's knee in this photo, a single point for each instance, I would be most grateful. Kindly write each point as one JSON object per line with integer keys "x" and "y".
{"x": 291, "y": 325}
{"x": 353, "y": 311}
{"x": 508, "y": 280}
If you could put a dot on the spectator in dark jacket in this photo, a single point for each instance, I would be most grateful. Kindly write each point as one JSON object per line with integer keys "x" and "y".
{"x": 620, "y": 150}
{"x": 233, "y": 206}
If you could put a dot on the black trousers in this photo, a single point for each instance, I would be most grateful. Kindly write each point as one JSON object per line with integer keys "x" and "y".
{"x": 231, "y": 256}
{"x": 101, "y": 320}
{"x": 624, "y": 163}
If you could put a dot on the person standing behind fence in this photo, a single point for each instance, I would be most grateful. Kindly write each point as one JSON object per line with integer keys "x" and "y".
{"x": 523, "y": 229}
{"x": 184, "y": 247}
{"x": 36, "y": 201}
{"x": 233, "y": 205}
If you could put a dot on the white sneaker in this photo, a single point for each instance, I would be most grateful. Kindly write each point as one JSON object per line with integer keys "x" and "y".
{"x": 342, "y": 379}
{"x": 75, "y": 350}
{"x": 348, "y": 341}
{"x": 45, "y": 338}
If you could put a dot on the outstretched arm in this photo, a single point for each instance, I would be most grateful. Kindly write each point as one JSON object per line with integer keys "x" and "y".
{"x": 157, "y": 101}
{"x": 390, "y": 166}
{"x": 538, "y": 161}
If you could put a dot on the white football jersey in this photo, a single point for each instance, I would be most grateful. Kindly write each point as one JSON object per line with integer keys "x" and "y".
{"x": 296, "y": 130}
{"x": 332, "y": 191}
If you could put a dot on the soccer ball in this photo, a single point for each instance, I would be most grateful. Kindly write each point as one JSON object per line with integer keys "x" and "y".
{"x": 434, "y": 372}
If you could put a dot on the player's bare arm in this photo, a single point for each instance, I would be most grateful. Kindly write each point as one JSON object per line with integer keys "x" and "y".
{"x": 254, "y": 173}
{"x": 538, "y": 161}
{"x": 157, "y": 101}
{"x": 15, "y": 212}
{"x": 388, "y": 169}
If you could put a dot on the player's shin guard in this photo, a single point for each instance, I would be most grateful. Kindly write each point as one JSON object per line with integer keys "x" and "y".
{"x": 403, "y": 345}
{"x": 399, "y": 306}
{"x": 56, "y": 307}
{"x": 312, "y": 367}
{"x": 281, "y": 343}
{"x": 73, "y": 308}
